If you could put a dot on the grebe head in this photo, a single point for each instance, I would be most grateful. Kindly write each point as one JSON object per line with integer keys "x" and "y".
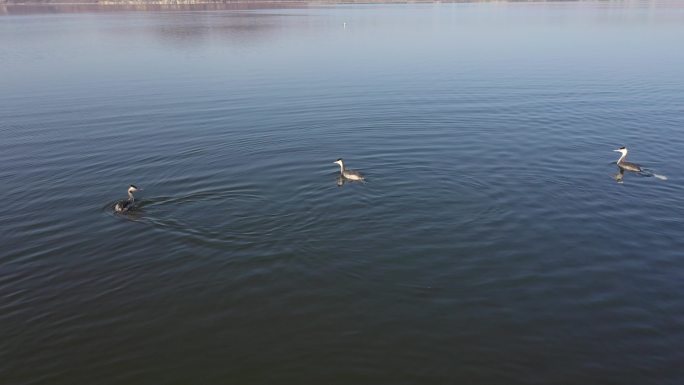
{"x": 622, "y": 150}
{"x": 132, "y": 189}
{"x": 339, "y": 161}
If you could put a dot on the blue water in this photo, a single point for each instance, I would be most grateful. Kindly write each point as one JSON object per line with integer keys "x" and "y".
{"x": 490, "y": 244}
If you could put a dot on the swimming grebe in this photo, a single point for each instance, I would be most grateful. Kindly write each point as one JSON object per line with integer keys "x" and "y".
{"x": 123, "y": 206}
{"x": 349, "y": 174}
{"x": 626, "y": 165}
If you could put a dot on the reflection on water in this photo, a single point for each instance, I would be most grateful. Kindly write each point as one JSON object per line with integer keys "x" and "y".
{"x": 134, "y": 214}
{"x": 26, "y": 9}
{"x": 190, "y": 29}
{"x": 341, "y": 181}
{"x": 619, "y": 177}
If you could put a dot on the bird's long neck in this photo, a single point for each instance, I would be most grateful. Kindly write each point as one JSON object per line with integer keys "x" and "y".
{"x": 131, "y": 197}
{"x": 624, "y": 155}
{"x": 341, "y": 166}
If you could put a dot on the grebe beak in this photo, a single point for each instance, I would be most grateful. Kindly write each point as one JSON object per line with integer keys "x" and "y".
{"x": 617, "y": 150}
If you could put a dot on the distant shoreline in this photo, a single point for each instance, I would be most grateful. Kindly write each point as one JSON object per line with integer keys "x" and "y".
{"x": 230, "y": 2}
{"x": 23, "y": 7}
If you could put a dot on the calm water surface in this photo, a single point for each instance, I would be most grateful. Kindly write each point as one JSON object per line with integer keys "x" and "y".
{"x": 491, "y": 243}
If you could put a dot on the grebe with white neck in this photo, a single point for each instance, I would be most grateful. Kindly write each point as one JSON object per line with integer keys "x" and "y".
{"x": 349, "y": 174}
{"x": 125, "y": 205}
{"x": 626, "y": 165}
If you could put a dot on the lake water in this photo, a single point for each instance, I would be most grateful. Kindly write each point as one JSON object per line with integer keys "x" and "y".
{"x": 490, "y": 244}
